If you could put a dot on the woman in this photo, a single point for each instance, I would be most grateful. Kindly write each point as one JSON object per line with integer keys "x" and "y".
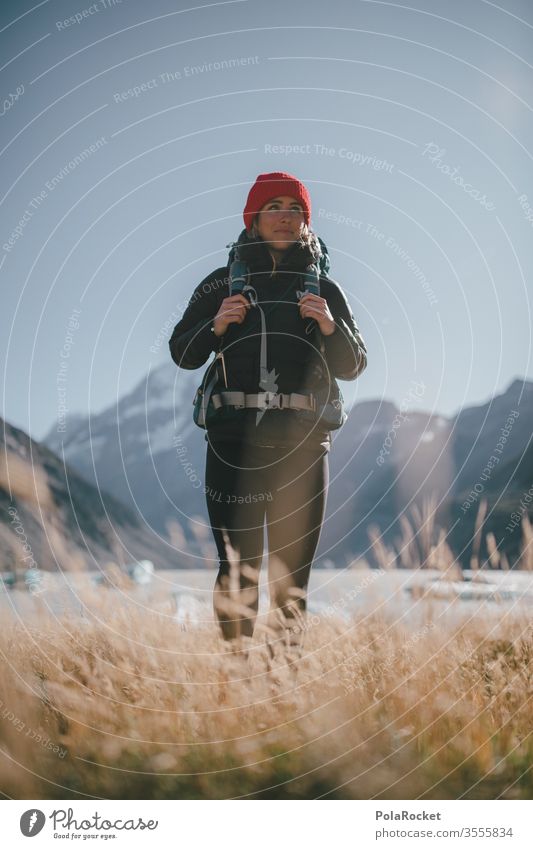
{"x": 277, "y": 344}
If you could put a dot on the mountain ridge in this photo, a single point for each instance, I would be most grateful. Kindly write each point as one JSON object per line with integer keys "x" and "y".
{"x": 403, "y": 457}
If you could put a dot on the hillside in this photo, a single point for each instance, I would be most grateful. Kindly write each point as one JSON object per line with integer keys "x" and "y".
{"x": 63, "y": 520}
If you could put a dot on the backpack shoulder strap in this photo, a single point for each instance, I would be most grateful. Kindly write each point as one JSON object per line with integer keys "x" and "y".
{"x": 312, "y": 279}
{"x": 312, "y": 286}
{"x": 238, "y": 273}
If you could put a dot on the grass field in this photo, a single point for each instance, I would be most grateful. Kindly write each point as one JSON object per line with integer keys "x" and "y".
{"x": 127, "y": 704}
{"x": 121, "y": 702}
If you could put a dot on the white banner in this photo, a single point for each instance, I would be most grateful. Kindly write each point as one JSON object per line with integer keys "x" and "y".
{"x": 233, "y": 824}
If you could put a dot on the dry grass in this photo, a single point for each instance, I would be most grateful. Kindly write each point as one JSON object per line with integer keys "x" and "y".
{"x": 126, "y": 703}
{"x": 147, "y": 709}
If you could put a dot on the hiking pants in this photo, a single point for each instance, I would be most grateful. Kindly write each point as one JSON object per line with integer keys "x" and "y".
{"x": 245, "y": 484}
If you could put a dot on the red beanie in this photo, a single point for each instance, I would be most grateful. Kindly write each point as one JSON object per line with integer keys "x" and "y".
{"x": 269, "y": 186}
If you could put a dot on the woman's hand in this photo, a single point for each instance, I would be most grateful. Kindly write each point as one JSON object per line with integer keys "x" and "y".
{"x": 232, "y": 309}
{"x": 313, "y": 306}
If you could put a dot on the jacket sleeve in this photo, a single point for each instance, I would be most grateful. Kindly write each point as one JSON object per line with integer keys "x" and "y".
{"x": 345, "y": 350}
{"x": 192, "y": 340}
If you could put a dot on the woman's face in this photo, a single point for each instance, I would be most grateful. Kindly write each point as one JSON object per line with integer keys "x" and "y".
{"x": 280, "y": 222}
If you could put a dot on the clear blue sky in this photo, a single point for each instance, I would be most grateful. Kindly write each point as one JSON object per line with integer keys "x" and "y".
{"x": 132, "y": 132}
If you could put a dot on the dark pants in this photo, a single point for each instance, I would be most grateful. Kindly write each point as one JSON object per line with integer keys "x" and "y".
{"x": 244, "y": 484}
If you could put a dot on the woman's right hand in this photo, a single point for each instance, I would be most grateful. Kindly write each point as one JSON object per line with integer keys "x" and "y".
{"x": 232, "y": 309}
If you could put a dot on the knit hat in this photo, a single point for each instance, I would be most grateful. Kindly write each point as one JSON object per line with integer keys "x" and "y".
{"x": 269, "y": 186}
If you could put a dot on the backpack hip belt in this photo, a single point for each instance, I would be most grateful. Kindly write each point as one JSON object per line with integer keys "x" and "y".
{"x": 265, "y": 400}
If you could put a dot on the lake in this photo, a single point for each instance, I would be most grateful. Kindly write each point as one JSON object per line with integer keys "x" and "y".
{"x": 186, "y": 596}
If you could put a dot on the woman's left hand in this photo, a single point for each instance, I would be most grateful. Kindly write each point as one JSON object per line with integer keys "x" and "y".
{"x": 313, "y": 306}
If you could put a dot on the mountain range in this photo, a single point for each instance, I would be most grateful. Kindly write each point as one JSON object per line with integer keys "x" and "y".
{"x": 52, "y": 518}
{"x": 386, "y": 464}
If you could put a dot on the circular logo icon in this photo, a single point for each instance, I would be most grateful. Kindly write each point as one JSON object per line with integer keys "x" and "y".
{"x": 32, "y": 822}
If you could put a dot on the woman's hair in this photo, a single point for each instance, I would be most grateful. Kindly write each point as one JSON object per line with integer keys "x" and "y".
{"x": 307, "y": 240}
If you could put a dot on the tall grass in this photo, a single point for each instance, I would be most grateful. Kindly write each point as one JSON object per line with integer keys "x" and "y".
{"x": 141, "y": 707}
{"x": 125, "y": 702}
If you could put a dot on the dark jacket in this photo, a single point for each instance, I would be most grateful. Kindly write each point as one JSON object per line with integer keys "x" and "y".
{"x": 292, "y": 353}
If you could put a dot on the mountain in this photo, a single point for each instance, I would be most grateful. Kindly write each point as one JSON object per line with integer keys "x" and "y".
{"x": 52, "y": 518}
{"x": 385, "y": 464}
{"x": 493, "y": 457}
{"x": 130, "y": 450}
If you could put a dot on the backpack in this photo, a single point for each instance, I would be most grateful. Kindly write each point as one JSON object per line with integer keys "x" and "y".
{"x": 327, "y": 403}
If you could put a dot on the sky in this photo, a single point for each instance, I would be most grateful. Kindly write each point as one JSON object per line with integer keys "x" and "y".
{"x": 132, "y": 132}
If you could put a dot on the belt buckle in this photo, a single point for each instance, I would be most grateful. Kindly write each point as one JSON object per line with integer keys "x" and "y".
{"x": 272, "y": 401}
